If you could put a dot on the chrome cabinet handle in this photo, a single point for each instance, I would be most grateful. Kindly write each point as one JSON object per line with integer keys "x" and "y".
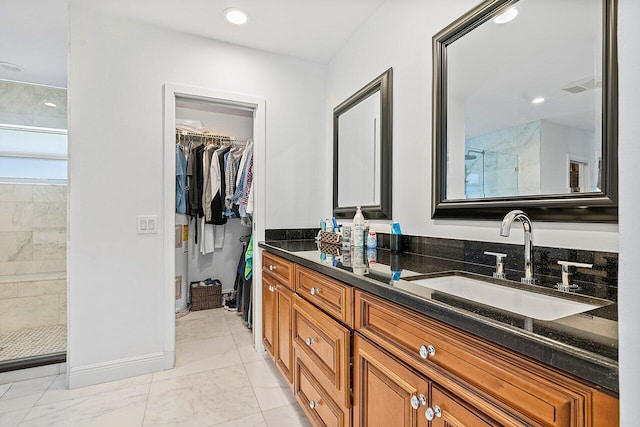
{"x": 314, "y": 291}
{"x": 272, "y": 288}
{"x": 416, "y": 401}
{"x": 272, "y": 267}
{"x": 432, "y": 413}
{"x": 426, "y": 351}
{"x": 313, "y": 404}
{"x": 310, "y": 340}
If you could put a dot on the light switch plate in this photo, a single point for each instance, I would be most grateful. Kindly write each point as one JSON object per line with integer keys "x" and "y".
{"x": 147, "y": 224}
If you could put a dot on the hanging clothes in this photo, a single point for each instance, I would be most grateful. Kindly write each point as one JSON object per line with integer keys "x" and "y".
{"x": 218, "y": 188}
{"x": 248, "y": 258}
{"x": 207, "y": 196}
{"x": 181, "y": 180}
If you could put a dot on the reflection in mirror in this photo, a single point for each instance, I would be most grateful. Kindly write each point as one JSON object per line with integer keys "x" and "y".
{"x": 362, "y": 151}
{"x": 359, "y": 136}
{"x": 525, "y": 101}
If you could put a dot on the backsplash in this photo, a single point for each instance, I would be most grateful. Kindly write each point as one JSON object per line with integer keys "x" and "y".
{"x": 600, "y": 281}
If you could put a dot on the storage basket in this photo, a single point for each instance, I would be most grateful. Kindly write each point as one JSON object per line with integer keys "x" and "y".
{"x": 206, "y": 297}
{"x": 330, "y": 237}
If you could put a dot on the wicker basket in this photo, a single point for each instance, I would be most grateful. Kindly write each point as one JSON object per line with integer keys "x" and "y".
{"x": 330, "y": 237}
{"x": 206, "y": 297}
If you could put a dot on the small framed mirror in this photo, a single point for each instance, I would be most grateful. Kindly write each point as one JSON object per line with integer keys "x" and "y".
{"x": 525, "y": 111}
{"x": 362, "y": 150}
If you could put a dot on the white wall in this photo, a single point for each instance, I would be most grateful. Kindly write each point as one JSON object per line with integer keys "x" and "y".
{"x": 116, "y": 72}
{"x": 399, "y": 35}
{"x": 629, "y": 173}
{"x": 558, "y": 141}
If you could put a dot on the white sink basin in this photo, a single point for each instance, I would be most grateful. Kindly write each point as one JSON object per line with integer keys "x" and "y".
{"x": 515, "y": 300}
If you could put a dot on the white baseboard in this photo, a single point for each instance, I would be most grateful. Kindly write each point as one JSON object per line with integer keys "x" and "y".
{"x": 81, "y": 376}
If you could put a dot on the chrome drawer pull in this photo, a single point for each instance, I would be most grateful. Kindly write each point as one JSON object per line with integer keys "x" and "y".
{"x": 272, "y": 288}
{"x": 430, "y": 414}
{"x": 310, "y": 340}
{"x": 426, "y": 351}
{"x": 416, "y": 401}
{"x": 313, "y": 404}
{"x": 272, "y": 267}
{"x": 314, "y": 291}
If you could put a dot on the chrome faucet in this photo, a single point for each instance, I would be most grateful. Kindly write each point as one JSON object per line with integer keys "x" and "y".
{"x": 505, "y": 228}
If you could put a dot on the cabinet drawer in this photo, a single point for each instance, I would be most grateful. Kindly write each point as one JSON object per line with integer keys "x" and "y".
{"x": 452, "y": 412}
{"x": 320, "y": 408}
{"x": 332, "y": 296}
{"x": 325, "y": 345}
{"x": 480, "y": 372}
{"x": 278, "y": 267}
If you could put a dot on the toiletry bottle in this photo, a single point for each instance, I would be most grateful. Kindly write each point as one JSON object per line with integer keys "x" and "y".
{"x": 358, "y": 229}
{"x": 372, "y": 240}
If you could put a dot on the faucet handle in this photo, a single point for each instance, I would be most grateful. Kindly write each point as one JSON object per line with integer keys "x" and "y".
{"x": 499, "y": 273}
{"x": 568, "y": 268}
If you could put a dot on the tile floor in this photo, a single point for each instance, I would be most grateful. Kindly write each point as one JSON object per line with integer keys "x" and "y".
{"x": 218, "y": 380}
{"x": 33, "y": 342}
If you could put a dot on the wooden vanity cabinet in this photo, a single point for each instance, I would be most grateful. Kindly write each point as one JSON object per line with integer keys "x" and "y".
{"x": 277, "y": 308}
{"x": 468, "y": 372}
{"x": 355, "y": 359}
{"x": 389, "y": 393}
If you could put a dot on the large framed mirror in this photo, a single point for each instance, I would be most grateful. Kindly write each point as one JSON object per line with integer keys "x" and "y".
{"x": 525, "y": 111}
{"x": 362, "y": 150}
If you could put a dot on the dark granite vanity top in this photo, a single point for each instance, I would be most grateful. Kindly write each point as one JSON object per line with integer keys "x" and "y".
{"x": 584, "y": 345}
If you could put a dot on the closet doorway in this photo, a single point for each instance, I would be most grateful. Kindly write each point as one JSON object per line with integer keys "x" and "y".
{"x": 211, "y": 136}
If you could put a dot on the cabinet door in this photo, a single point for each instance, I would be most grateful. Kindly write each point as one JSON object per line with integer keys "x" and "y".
{"x": 268, "y": 313}
{"x": 284, "y": 349}
{"x": 383, "y": 389}
{"x": 448, "y": 411}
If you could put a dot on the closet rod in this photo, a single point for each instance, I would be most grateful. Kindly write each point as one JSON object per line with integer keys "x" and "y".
{"x": 181, "y": 133}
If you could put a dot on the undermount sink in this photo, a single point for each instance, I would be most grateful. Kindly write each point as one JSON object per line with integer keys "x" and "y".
{"x": 516, "y": 300}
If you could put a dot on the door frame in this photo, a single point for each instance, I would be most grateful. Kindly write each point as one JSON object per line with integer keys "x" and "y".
{"x": 258, "y": 105}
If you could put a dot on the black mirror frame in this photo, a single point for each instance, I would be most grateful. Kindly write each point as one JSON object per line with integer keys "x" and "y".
{"x": 383, "y": 83}
{"x": 576, "y": 207}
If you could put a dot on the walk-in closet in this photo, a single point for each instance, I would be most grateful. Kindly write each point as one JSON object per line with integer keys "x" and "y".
{"x": 214, "y": 207}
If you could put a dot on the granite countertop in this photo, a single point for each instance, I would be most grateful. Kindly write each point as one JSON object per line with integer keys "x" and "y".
{"x": 584, "y": 345}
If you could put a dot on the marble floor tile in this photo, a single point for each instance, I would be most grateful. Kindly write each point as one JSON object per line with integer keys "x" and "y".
{"x": 122, "y": 408}
{"x": 30, "y": 373}
{"x": 270, "y": 387}
{"x": 58, "y": 390}
{"x": 202, "y": 355}
{"x": 249, "y": 354}
{"x": 236, "y": 324}
{"x": 24, "y": 394}
{"x": 286, "y": 416}
{"x": 201, "y": 327}
{"x": 203, "y": 399}
{"x": 13, "y": 418}
{"x": 255, "y": 420}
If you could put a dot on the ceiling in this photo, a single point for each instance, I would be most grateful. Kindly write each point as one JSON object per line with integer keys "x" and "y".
{"x": 33, "y": 33}
{"x": 496, "y": 71}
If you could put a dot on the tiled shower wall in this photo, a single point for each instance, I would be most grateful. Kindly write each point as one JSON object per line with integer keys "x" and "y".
{"x": 33, "y": 255}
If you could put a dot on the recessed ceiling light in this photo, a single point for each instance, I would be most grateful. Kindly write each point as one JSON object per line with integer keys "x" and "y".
{"x": 50, "y": 104}
{"x": 236, "y": 16}
{"x": 9, "y": 66}
{"x": 537, "y": 100}
{"x": 506, "y": 16}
